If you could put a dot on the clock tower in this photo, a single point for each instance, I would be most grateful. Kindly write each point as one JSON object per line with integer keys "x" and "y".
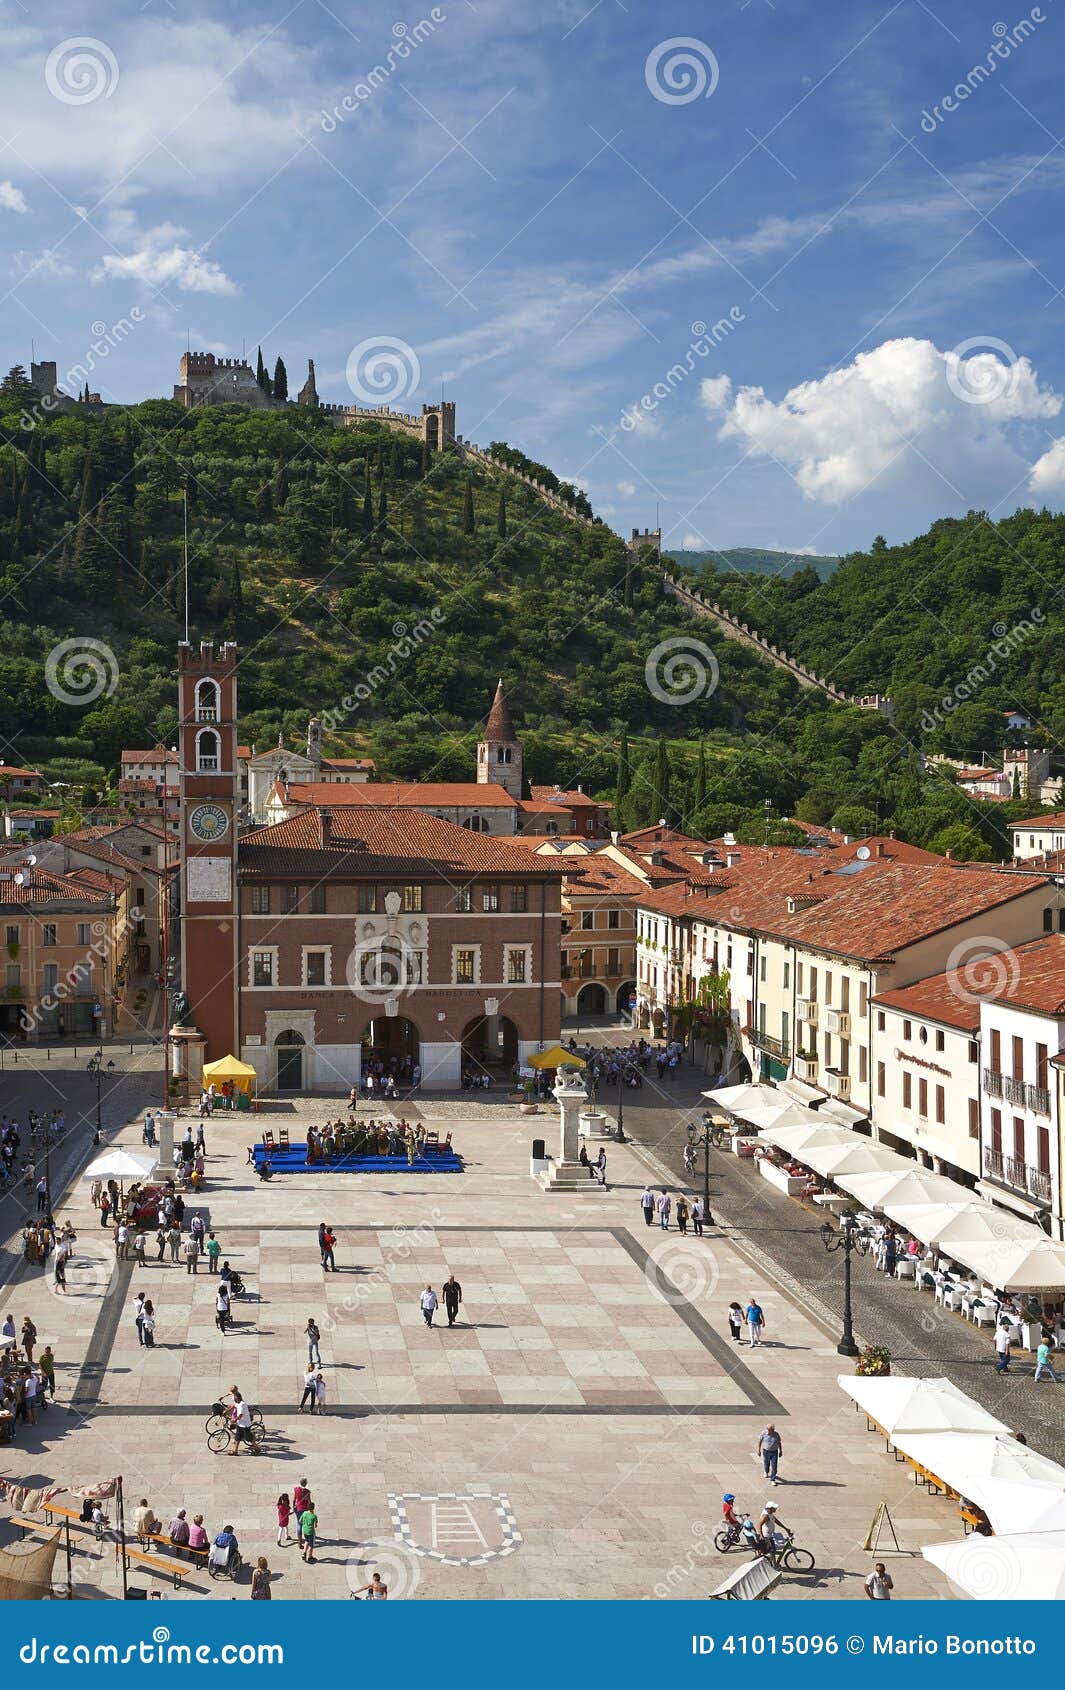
{"x": 207, "y": 754}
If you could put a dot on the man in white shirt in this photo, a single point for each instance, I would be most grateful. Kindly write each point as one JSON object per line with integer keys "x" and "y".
{"x": 1002, "y": 1345}
{"x": 241, "y": 1416}
{"x": 879, "y": 1584}
{"x": 428, "y": 1302}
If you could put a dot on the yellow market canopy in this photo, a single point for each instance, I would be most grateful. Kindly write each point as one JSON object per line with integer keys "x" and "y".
{"x": 229, "y": 1068}
{"x": 554, "y": 1057}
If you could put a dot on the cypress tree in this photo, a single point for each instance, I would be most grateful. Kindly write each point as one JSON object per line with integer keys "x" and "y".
{"x": 382, "y": 509}
{"x": 281, "y": 486}
{"x": 236, "y": 589}
{"x": 264, "y": 503}
{"x": 260, "y": 373}
{"x": 624, "y": 778}
{"x": 662, "y": 782}
{"x": 501, "y": 514}
{"x": 700, "y": 777}
{"x": 367, "y": 500}
{"x": 427, "y": 458}
{"x": 468, "y": 522}
{"x": 280, "y": 380}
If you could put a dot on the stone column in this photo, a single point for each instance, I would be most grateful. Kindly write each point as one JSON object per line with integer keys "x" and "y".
{"x": 566, "y": 1173}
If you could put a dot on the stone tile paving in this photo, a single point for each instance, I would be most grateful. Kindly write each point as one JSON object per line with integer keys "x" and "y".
{"x": 571, "y": 1437}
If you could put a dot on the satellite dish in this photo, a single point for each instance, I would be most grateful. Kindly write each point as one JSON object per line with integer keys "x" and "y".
{"x": 729, "y": 838}
{"x": 20, "y": 879}
{"x": 863, "y": 853}
{"x": 31, "y": 862}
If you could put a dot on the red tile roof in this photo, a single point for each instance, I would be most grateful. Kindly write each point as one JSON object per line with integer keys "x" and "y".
{"x": 24, "y": 886}
{"x": 1055, "y": 819}
{"x": 347, "y": 762}
{"x": 953, "y": 999}
{"x": 11, "y": 770}
{"x": 368, "y": 842}
{"x": 555, "y": 795}
{"x": 599, "y": 875}
{"x": 159, "y": 755}
{"x": 1034, "y": 976}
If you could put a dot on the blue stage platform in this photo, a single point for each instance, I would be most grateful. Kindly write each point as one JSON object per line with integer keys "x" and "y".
{"x": 294, "y": 1161}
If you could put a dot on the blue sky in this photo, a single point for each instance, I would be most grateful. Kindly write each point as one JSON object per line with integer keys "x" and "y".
{"x": 515, "y": 202}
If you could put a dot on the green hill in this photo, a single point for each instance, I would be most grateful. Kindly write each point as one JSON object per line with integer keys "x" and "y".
{"x": 386, "y": 589}
{"x": 750, "y": 560}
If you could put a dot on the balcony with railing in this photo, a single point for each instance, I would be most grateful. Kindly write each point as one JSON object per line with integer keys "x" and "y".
{"x": 1037, "y": 1099}
{"x": 1014, "y": 1171}
{"x": 779, "y": 1048}
{"x": 206, "y": 713}
{"x": 992, "y": 1082}
{"x": 1013, "y": 1091}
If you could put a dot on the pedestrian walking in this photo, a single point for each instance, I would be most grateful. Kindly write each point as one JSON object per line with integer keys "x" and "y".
{"x": 160, "y": 1242}
{"x": 319, "y": 1391}
{"x": 42, "y": 1195}
{"x": 221, "y": 1308}
{"x": 600, "y": 1166}
{"x": 647, "y": 1204}
{"x": 314, "y": 1338}
{"x": 197, "y": 1229}
{"x": 284, "y": 1518}
{"x": 755, "y": 1323}
{"x": 121, "y": 1241}
{"x": 664, "y": 1206}
{"x": 735, "y": 1321}
{"x": 148, "y": 1324}
{"x": 697, "y": 1216}
{"x": 428, "y": 1305}
{"x": 682, "y": 1215}
{"x": 138, "y": 1315}
{"x": 1002, "y": 1345}
{"x": 310, "y": 1394}
{"x": 192, "y": 1255}
{"x": 47, "y": 1367}
{"x": 213, "y": 1251}
{"x": 1042, "y": 1363}
{"x": 452, "y": 1298}
{"x": 260, "y": 1581}
{"x": 308, "y": 1531}
{"x": 879, "y": 1584}
{"x": 301, "y": 1497}
{"x": 140, "y": 1245}
{"x": 770, "y": 1448}
{"x": 174, "y": 1240}
{"x": 327, "y": 1240}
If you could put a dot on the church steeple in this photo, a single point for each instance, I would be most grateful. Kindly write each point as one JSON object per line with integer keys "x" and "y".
{"x": 499, "y": 753}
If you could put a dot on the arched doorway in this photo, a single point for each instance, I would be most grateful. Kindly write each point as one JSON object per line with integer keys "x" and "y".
{"x": 591, "y": 1000}
{"x": 489, "y": 1046}
{"x": 622, "y": 1002}
{"x": 391, "y": 1045}
{"x": 658, "y": 1022}
{"x": 432, "y": 431}
{"x": 289, "y": 1047}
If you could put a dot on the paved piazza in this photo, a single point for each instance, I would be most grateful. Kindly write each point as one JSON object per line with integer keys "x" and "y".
{"x": 571, "y": 1436}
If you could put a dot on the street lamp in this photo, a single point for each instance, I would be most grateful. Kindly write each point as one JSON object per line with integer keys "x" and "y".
{"x": 843, "y": 1240}
{"x": 694, "y": 1139}
{"x": 620, "y": 1134}
{"x": 99, "y": 1077}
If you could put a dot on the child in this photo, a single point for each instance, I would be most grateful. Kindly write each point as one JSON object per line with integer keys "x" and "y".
{"x": 284, "y": 1515}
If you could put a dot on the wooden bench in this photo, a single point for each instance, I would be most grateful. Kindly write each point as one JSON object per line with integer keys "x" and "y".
{"x": 751, "y": 1582}
{"x": 185, "y": 1548}
{"x": 26, "y": 1525}
{"x": 156, "y": 1564}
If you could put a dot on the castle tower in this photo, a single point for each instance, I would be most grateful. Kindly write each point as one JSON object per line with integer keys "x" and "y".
{"x": 438, "y": 425}
{"x": 209, "y": 798}
{"x": 499, "y": 754}
{"x": 308, "y": 394}
{"x": 314, "y": 742}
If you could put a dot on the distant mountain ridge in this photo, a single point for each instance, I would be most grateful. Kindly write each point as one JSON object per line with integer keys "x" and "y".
{"x": 752, "y": 560}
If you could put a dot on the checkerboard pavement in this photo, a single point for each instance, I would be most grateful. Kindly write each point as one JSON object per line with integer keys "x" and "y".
{"x": 590, "y": 1382}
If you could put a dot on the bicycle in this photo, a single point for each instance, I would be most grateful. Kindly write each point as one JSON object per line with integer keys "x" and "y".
{"x": 218, "y": 1419}
{"x": 729, "y": 1537}
{"x": 787, "y": 1558}
{"x": 689, "y": 1162}
{"x": 223, "y": 1436}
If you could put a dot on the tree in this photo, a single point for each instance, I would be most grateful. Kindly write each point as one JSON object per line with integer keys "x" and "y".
{"x": 700, "y": 777}
{"x": 236, "y": 589}
{"x": 367, "y": 500}
{"x": 501, "y": 514}
{"x": 468, "y": 521}
{"x": 260, "y": 373}
{"x": 281, "y": 486}
{"x": 382, "y": 508}
{"x": 663, "y": 779}
{"x": 963, "y": 841}
{"x": 280, "y": 380}
{"x": 264, "y": 504}
{"x": 17, "y": 383}
{"x": 624, "y": 775}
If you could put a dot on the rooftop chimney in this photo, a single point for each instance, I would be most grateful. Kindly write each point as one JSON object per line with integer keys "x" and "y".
{"x": 326, "y": 817}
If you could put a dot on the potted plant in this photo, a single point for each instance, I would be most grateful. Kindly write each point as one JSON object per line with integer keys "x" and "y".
{"x": 874, "y": 1362}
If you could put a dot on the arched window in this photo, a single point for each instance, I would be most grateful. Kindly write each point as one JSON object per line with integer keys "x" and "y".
{"x": 476, "y": 824}
{"x": 208, "y": 701}
{"x": 503, "y": 754}
{"x": 208, "y": 751}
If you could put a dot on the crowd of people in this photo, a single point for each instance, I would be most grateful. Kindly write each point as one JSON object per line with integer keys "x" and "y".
{"x": 27, "y": 1380}
{"x": 383, "y": 1076}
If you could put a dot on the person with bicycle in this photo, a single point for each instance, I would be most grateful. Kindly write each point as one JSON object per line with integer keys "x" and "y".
{"x": 240, "y": 1415}
{"x": 771, "y": 1531}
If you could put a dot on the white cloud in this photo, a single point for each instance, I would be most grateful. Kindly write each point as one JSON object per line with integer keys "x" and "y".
{"x": 626, "y": 488}
{"x": 12, "y": 198}
{"x": 961, "y": 409}
{"x": 640, "y": 421}
{"x": 715, "y": 391}
{"x": 46, "y": 263}
{"x": 693, "y": 543}
{"x": 161, "y": 261}
{"x": 1048, "y": 472}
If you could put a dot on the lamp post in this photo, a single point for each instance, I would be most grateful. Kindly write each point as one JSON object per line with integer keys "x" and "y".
{"x": 620, "y": 1134}
{"x": 843, "y": 1240}
{"x": 99, "y": 1079}
{"x": 694, "y": 1139}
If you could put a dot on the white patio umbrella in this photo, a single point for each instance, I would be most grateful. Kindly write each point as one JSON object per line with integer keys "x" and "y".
{"x": 857, "y": 1156}
{"x": 732, "y": 1098}
{"x": 963, "y": 1460}
{"x": 980, "y": 1223}
{"x": 918, "y": 1405}
{"x": 928, "y": 1221}
{"x": 120, "y": 1164}
{"x": 1020, "y": 1566}
{"x": 874, "y": 1190}
{"x": 1019, "y": 1505}
{"x": 777, "y": 1112}
{"x": 796, "y": 1140}
{"x": 1015, "y": 1264}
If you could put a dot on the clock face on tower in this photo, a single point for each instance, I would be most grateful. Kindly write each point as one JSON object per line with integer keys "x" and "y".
{"x": 208, "y": 822}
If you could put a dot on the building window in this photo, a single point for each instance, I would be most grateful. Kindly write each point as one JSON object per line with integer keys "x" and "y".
{"x": 260, "y": 900}
{"x": 1041, "y": 1079}
{"x": 881, "y": 1079}
{"x": 490, "y": 899}
{"x": 414, "y": 968}
{"x": 517, "y": 966}
{"x": 50, "y": 976}
{"x": 787, "y": 975}
{"x": 907, "y": 1030}
{"x": 262, "y": 968}
{"x": 974, "y": 1118}
{"x": 290, "y": 900}
{"x": 12, "y": 935}
{"x": 503, "y": 754}
{"x": 996, "y": 1131}
{"x": 367, "y": 900}
{"x": 1048, "y": 920}
{"x": 463, "y": 900}
{"x": 519, "y": 899}
{"x": 587, "y": 920}
{"x": 14, "y": 977}
{"x": 762, "y": 968}
{"x": 863, "y": 1064}
{"x": 314, "y": 968}
{"x": 863, "y": 997}
{"x": 941, "y": 1106}
{"x": 907, "y": 1091}
{"x": 48, "y": 933}
{"x": 316, "y": 900}
{"x": 880, "y": 1021}
{"x": 613, "y": 919}
{"x": 940, "y": 1041}
{"x": 613, "y": 963}
{"x": 412, "y": 900}
{"x": 208, "y": 752}
{"x": 922, "y": 1099}
{"x": 207, "y": 701}
{"x": 1043, "y": 1149}
{"x": 84, "y": 933}
{"x": 464, "y": 965}
{"x": 974, "y": 1050}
